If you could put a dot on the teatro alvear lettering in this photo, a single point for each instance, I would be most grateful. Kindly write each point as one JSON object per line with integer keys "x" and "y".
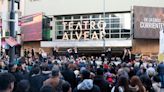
{"x": 84, "y": 33}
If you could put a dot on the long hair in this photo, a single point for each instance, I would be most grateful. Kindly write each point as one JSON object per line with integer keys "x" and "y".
{"x": 123, "y": 82}
{"x": 135, "y": 80}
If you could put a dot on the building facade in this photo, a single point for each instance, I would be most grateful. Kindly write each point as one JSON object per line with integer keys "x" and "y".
{"x": 91, "y": 25}
{"x": 5, "y": 8}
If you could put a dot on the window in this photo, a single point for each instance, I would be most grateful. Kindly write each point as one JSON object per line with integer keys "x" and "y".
{"x": 59, "y": 18}
{"x": 76, "y": 17}
{"x": 95, "y": 16}
{"x": 125, "y": 35}
{"x": 67, "y": 17}
{"x": 115, "y": 31}
{"x": 114, "y": 35}
{"x": 85, "y": 16}
{"x": 116, "y": 20}
{"x": 117, "y": 25}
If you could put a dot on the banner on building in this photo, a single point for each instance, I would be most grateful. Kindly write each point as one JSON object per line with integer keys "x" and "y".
{"x": 11, "y": 41}
{"x": 31, "y": 27}
{"x": 148, "y": 21}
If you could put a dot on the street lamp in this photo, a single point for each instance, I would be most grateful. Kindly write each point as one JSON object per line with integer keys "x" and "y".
{"x": 12, "y": 31}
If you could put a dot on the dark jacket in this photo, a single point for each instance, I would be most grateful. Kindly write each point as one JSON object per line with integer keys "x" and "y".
{"x": 161, "y": 73}
{"x": 161, "y": 69}
{"x": 70, "y": 77}
{"x": 101, "y": 83}
{"x": 36, "y": 83}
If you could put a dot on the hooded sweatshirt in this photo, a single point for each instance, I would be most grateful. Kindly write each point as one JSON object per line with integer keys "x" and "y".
{"x": 87, "y": 84}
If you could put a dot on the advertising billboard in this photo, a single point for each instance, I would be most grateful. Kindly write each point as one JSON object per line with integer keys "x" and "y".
{"x": 31, "y": 27}
{"x": 148, "y": 21}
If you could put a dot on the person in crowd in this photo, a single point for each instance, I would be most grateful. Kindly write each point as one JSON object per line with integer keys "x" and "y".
{"x": 126, "y": 55}
{"x": 86, "y": 84}
{"x": 45, "y": 71}
{"x": 100, "y": 81}
{"x": 142, "y": 71}
{"x": 160, "y": 70}
{"x": 44, "y": 56}
{"x": 122, "y": 72}
{"x": 68, "y": 53}
{"x": 136, "y": 85}
{"x": 25, "y": 53}
{"x": 46, "y": 88}
{"x": 122, "y": 86}
{"x": 6, "y": 82}
{"x": 36, "y": 80}
{"x": 66, "y": 87}
{"x": 32, "y": 52}
{"x": 75, "y": 53}
{"x": 40, "y": 55}
{"x": 156, "y": 84}
{"x": 151, "y": 70}
{"x": 23, "y": 86}
{"x": 55, "y": 80}
{"x": 55, "y": 52}
{"x": 28, "y": 53}
{"x": 14, "y": 70}
{"x": 146, "y": 81}
{"x": 69, "y": 75}
{"x": 109, "y": 54}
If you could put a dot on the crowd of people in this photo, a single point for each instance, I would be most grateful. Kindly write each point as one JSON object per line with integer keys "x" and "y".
{"x": 73, "y": 73}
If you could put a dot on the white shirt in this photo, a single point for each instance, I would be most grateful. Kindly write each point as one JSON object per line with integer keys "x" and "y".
{"x": 119, "y": 88}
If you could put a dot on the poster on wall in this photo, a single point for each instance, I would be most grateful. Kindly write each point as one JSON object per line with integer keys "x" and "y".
{"x": 148, "y": 21}
{"x": 31, "y": 27}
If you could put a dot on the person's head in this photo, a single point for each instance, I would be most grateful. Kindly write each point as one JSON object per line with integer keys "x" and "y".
{"x": 46, "y": 88}
{"x": 36, "y": 70}
{"x": 44, "y": 67}
{"x": 123, "y": 81}
{"x": 23, "y": 86}
{"x": 135, "y": 81}
{"x": 12, "y": 67}
{"x": 66, "y": 87}
{"x": 6, "y": 82}
{"x": 55, "y": 72}
{"x": 85, "y": 74}
{"x": 100, "y": 71}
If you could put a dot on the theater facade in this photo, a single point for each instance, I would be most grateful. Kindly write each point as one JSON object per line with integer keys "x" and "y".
{"x": 93, "y": 26}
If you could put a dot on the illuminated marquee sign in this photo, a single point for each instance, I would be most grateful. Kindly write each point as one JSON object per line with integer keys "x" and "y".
{"x": 83, "y": 26}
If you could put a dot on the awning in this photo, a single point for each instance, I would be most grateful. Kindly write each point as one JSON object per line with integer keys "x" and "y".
{"x": 11, "y": 41}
